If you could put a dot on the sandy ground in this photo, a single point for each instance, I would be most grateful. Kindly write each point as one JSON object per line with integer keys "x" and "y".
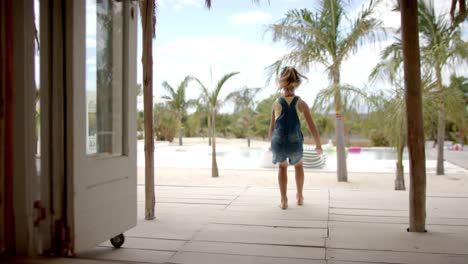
{"x": 455, "y": 181}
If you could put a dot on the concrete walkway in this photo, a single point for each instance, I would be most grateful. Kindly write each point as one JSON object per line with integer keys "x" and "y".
{"x": 459, "y": 158}
{"x": 203, "y": 225}
{"x": 236, "y": 219}
{"x": 244, "y": 225}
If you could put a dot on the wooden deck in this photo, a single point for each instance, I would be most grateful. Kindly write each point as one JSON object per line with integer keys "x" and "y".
{"x": 244, "y": 225}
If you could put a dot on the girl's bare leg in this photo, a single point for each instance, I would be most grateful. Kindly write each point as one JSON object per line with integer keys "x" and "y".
{"x": 283, "y": 183}
{"x": 299, "y": 169}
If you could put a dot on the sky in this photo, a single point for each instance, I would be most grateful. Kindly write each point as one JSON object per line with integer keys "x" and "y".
{"x": 232, "y": 37}
{"x": 192, "y": 40}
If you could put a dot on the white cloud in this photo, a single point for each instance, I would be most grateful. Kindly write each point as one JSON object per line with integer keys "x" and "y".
{"x": 248, "y": 18}
{"x": 224, "y": 54}
{"x": 180, "y": 4}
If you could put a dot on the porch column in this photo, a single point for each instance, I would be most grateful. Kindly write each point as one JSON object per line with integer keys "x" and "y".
{"x": 414, "y": 115}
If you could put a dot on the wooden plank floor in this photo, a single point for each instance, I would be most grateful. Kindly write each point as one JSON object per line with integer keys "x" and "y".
{"x": 200, "y": 224}
{"x": 244, "y": 225}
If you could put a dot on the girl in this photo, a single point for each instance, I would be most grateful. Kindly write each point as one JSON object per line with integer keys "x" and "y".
{"x": 286, "y": 135}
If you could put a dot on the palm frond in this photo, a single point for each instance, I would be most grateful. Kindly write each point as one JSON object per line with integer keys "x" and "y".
{"x": 300, "y": 59}
{"x": 454, "y": 104}
{"x": 192, "y": 103}
{"x": 389, "y": 68}
{"x": 243, "y": 99}
{"x": 221, "y": 82}
{"x": 353, "y": 98}
{"x": 365, "y": 27}
{"x": 169, "y": 89}
{"x": 205, "y": 91}
{"x": 301, "y": 28}
{"x": 331, "y": 16}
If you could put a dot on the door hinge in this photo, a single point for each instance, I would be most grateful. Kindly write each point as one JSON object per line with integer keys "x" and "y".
{"x": 40, "y": 213}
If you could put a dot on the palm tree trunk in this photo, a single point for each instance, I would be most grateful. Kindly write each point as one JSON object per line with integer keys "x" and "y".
{"x": 180, "y": 131}
{"x": 414, "y": 116}
{"x": 147, "y": 21}
{"x": 440, "y": 141}
{"x": 342, "y": 171}
{"x": 214, "y": 164}
{"x": 400, "y": 176}
{"x": 248, "y": 130}
{"x": 180, "y": 137}
{"x": 440, "y": 125}
{"x": 210, "y": 130}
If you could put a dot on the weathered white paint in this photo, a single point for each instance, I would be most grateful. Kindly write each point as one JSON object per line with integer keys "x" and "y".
{"x": 101, "y": 188}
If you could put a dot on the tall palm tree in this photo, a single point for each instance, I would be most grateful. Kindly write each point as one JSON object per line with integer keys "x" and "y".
{"x": 441, "y": 46}
{"x": 393, "y": 112}
{"x": 213, "y": 104}
{"x": 177, "y": 102}
{"x": 325, "y": 38}
{"x": 392, "y": 109}
{"x": 457, "y": 105}
{"x": 244, "y": 105}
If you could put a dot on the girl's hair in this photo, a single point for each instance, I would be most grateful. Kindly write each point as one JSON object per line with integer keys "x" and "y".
{"x": 290, "y": 79}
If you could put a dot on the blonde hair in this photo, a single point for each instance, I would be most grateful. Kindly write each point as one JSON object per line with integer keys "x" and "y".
{"x": 290, "y": 79}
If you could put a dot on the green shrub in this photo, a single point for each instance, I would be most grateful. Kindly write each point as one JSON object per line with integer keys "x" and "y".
{"x": 165, "y": 123}
{"x": 378, "y": 139}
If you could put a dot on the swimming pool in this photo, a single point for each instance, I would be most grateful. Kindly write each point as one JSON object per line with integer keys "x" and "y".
{"x": 232, "y": 157}
{"x": 364, "y": 154}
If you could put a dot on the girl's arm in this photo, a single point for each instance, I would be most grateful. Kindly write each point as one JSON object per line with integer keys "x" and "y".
{"x": 304, "y": 108}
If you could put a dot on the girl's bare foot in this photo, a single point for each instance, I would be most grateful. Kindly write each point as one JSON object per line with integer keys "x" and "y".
{"x": 300, "y": 199}
{"x": 284, "y": 204}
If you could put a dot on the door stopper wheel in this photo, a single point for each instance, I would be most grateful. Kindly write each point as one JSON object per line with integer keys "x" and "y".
{"x": 118, "y": 240}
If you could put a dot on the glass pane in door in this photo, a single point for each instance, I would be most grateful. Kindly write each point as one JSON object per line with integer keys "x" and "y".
{"x": 104, "y": 77}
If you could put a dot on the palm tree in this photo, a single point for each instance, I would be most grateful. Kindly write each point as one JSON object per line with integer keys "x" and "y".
{"x": 393, "y": 110}
{"x": 263, "y": 116}
{"x": 324, "y": 38}
{"x": 213, "y": 105}
{"x": 177, "y": 102}
{"x": 457, "y": 105}
{"x": 412, "y": 77}
{"x": 244, "y": 105}
{"x": 441, "y": 46}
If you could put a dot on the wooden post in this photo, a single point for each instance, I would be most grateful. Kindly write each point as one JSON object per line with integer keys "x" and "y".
{"x": 416, "y": 142}
{"x": 148, "y": 30}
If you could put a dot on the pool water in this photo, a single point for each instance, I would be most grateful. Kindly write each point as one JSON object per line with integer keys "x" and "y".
{"x": 371, "y": 154}
{"x": 259, "y": 158}
{"x": 365, "y": 154}
{"x": 231, "y": 157}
